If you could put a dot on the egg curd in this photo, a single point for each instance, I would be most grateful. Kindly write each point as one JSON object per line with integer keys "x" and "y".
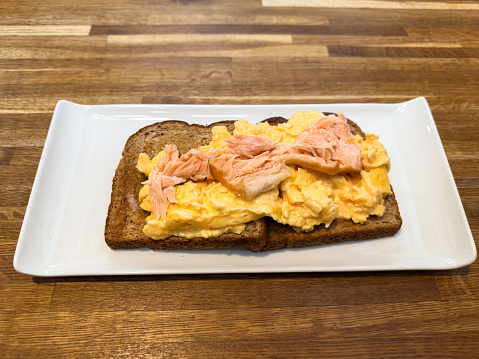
{"x": 302, "y": 201}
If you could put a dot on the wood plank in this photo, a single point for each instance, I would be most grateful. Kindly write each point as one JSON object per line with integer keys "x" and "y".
{"x": 196, "y": 14}
{"x": 245, "y": 293}
{"x": 471, "y": 207}
{"x": 438, "y": 88}
{"x": 373, "y": 41}
{"x": 149, "y": 39}
{"x": 114, "y": 13}
{"x": 383, "y": 345}
{"x": 174, "y": 47}
{"x": 458, "y": 288}
{"x": 440, "y": 34}
{"x": 451, "y": 18}
{"x": 45, "y": 42}
{"x": 25, "y": 297}
{"x": 356, "y": 30}
{"x": 359, "y": 63}
{"x": 461, "y": 150}
{"x": 433, "y": 318}
{"x": 61, "y": 91}
{"x": 375, "y": 4}
{"x": 45, "y": 30}
{"x": 464, "y": 168}
{"x": 408, "y": 78}
{"x": 171, "y": 63}
{"x": 146, "y": 70}
{"x": 25, "y": 137}
{"x": 314, "y": 88}
{"x": 31, "y": 105}
{"x": 276, "y": 99}
{"x": 408, "y": 52}
{"x": 57, "y": 13}
{"x": 470, "y": 193}
{"x": 25, "y": 121}
{"x": 272, "y": 88}
{"x": 467, "y": 182}
{"x": 463, "y": 135}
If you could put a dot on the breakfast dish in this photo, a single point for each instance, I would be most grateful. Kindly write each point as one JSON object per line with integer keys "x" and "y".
{"x": 316, "y": 178}
{"x": 84, "y": 146}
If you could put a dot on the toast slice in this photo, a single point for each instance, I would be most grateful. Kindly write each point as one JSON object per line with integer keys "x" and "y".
{"x": 126, "y": 219}
{"x": 281, "y": 236}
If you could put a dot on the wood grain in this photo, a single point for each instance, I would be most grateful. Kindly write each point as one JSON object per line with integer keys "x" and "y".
{"x": 375, "y": 4}
{"x": 236, "y": 52}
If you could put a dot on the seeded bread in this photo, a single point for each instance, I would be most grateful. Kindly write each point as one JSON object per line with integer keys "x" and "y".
{"x": 126, "y": 219}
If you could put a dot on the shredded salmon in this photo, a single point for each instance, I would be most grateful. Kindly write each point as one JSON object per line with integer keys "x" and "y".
{"x": 192, "y": 165}
{"x": 327, "y": 146}
{"x": 171, "y": 155}
{"x": 250, "y": 165}
{"x": 162, "y": 192}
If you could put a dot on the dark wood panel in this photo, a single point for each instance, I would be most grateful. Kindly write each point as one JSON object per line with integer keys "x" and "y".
{"x": 356, "y": 63}
{"x": 450, "y": 18}
{"x": 370, "y": 74}
{"x": 243, "y": 293}
{"x": 278, "y": 324}
{"x": 408, "y": 52}
{"x": 250, "y": 29}
{"x": 250, "y": 346}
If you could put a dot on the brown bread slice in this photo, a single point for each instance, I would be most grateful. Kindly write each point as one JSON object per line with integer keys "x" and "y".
{"x": 126, "y": 219}
{"x": 281, "y": 236}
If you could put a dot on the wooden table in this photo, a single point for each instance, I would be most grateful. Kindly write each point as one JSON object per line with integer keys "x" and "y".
{"x": 236, "y": 52}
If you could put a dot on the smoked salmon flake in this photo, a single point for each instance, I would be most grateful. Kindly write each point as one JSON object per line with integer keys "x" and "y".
{"x": 161, "y": 189}
{"x": 327, "y": 146}
{"x": 249, "y": 165}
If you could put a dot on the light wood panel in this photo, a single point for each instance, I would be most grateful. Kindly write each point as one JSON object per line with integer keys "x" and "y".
{"x": 376, "y": 4}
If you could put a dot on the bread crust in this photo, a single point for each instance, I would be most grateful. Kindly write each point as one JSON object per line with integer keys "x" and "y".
{"x": 126, "y": 219}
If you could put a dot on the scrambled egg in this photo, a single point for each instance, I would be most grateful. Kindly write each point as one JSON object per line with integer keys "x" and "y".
{"x": 302, "y": 201}
{"x": 284, "y": 132}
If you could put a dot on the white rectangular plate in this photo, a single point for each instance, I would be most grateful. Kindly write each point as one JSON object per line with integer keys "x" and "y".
{"x": 62, "y": 233}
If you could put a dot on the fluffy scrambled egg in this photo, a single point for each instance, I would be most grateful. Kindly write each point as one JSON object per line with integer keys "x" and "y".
{"x": 302, "y": 201}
